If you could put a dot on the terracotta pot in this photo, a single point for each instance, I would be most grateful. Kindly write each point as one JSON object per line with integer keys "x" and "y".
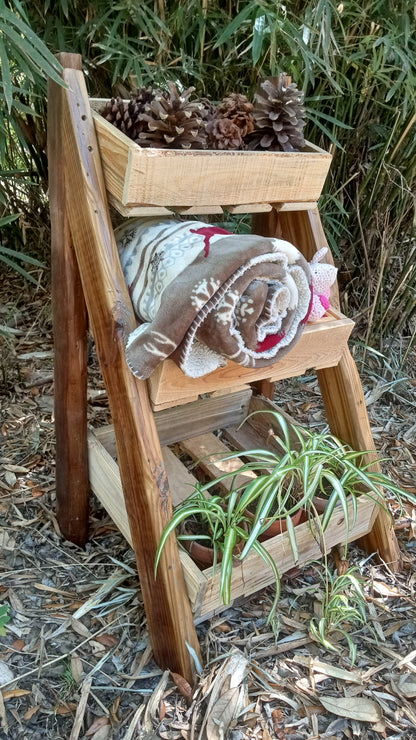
{"x": 202, "y": 555}
{"x": 279, "y": 525}
{"x": 320, "y": 504}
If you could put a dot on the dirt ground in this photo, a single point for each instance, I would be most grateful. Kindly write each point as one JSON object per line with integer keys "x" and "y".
{"x": 75, "y": 660}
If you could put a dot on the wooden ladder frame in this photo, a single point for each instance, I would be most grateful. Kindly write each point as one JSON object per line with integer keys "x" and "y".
{"x": 88, "y": 285}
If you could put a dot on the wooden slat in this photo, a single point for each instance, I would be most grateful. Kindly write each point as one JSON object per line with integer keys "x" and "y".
{"x": 261, "y": 428}
{"x": 263, "y": 423}
{"x": 244, "y": 438}
{"x": 143, "y": 474}
{"x": 168, "y": 177}
{"x": 301, "y": 206}
{"x": 105, "y": 478}
{"x": 249, "y": 208}
{"x": 70, "y": 345}
{"x": 138, "y": 211}
{"x": 321, "y": 345}
{"x": 201, "y": 210}
{"x": 204, "y": 415}
{"x": 106, "y": 485}
{"x": 141, "y": 211}
{"x": 208, "y": 451}
{"x": 195, "y": 418}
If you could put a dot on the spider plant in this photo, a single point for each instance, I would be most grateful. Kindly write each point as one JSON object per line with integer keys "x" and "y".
{"x": 227, "y": 529}
{"x": 298, "y": 467}
{"x": 305, "y": 465}
{"x": 343, "y": 603}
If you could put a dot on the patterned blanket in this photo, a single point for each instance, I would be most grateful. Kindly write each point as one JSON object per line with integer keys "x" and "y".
{"x": 204, "y": 296}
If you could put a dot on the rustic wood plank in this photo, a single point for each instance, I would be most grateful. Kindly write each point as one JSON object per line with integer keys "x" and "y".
{"x": 106, "y": 485}
{"x": 181, "y": 480}
{"x": 168, "y": 177}
{"x": 249, "y": 208}
{"x": 143, "y": 474}
{"x": 199, "y": 417}
{"x": 138, "y": 211}
{"x": 70, "y": 345}
{"x": 265, "y": 423}
{"x": 305, "y": 206}
{"x": 348, "y": 419}
{"x": 208, "y": 451}
{"x": 244, "y": 438}
{"x": 198, "y": 210}
{"x": 321, "y": 345}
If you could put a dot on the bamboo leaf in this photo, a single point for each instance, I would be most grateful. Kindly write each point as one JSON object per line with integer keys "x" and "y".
{"x": 259, "y": 30}
{"x": 358, "y": 708}
{"x": 6, "y": 76}
{"x": 235, "y": 24}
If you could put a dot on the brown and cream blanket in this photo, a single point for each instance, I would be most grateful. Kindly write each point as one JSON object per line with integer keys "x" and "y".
{"x": 204, "y": 296}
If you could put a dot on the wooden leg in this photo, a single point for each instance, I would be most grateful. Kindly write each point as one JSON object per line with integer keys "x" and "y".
{"x": 70, "y": 343}
{"x": 265, "y": 388}
{"x": 348, "y": 419}
{"x": 143, "y": 474}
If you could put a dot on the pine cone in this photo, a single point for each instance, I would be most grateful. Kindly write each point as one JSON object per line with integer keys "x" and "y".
{"x": 126, "y": 115}
{"x": 173, "y": 121}
{"x": 208, "y": 109}
{"x": 238, "y": 109}
{"x": 116, "y": 112}
{"x": 224, "y": 134}
{"x": 279, "y": 116}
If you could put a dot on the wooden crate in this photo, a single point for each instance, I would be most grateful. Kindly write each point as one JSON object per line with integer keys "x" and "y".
{"x": 251, "y": 575}
{"x": 321, "y": 345}
{"x": 139, "y": 177}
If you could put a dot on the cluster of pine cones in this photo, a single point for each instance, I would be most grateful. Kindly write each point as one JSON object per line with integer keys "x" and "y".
{"x": 173, "y": 120}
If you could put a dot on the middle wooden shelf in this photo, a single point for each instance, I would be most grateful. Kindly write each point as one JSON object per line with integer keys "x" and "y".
{"x": 321, "y": 345}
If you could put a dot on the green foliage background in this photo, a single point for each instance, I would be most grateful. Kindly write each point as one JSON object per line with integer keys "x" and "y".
{"x": 356, "y": 63}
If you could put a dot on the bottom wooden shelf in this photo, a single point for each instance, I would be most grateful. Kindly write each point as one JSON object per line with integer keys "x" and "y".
{"x": 251, "y": 575}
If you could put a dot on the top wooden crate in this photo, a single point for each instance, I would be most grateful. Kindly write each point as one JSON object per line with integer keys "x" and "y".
{"x": 137, "y": 176}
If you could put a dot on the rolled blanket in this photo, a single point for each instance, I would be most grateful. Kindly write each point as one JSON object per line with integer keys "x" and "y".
{"x": 204, "y": 296}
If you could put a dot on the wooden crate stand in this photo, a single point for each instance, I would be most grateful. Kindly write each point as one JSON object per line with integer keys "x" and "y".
{"x": 281, "y": 190}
